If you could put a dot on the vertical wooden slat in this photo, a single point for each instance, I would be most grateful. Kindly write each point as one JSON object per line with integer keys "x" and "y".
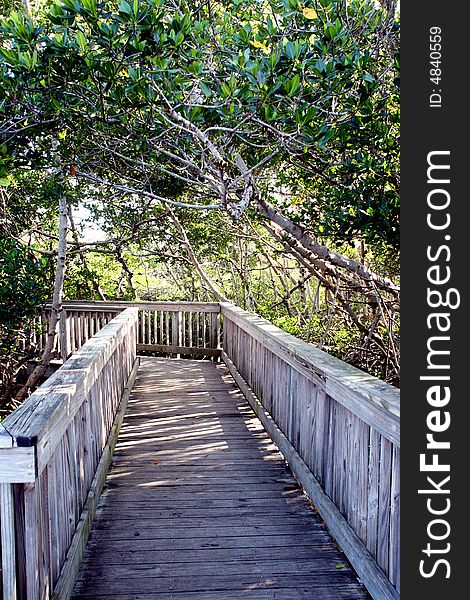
{"x": 142, "y": 327}
{"x": 394, "y": 558}
{"x": 373, "y": 493}
{"x": 190, "y": 329}
{"x": 55, "y": 521}
{"x": 71, "y": 320}
{"x": 85, "y": 326}
{"x": 45, "y": 548}
{"x": 155, "y": 327}
{"x": 92, "y": 324}
{"x": 341, "y": 432}
{"x": 32, "y": 543}
{"x": 179, "y": 330}
{"x": 78, "y": 330}
{"x": 203, "y": 330}
{"x": 213, "y": 331}
{"x": 329, "y": 448}
{"x": 161, "y": 338}
{"x": 220, "y": 330}
{"x": 149, "y": 326}
{"x": 174, "y": 328}
{"x": 182, "y": 327}
{"x": 167, "y": 327}
{"x": 383, "y": 533}
{"x": 196, "y": 329}
{"x": 7, "y": 522}
{"x": 68, "y": 339}
{"x": 320, "y": 409}
{"x": 63, "y": 334}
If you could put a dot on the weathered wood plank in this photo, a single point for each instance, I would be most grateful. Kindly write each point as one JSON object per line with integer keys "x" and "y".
{"x": 203, "y": 513}
{"x": 57, "y": 439}
{"x": 385, "y": 478}
{"x": 70, "y": 566}
{"x": 140, "y": 583}
{"x": 175, "y": 349}
{"x": 120, "y": 305}
{"x": 321, "y": 368}
{"x": 7, "y": 526}
{"x": 17, "y": 465}
{"x": 6, "y": 440}
{"x": 373, "y": 493}
{"x": 331, "y": 435}
{"x": 43, "y": 419}
{"x": 252, "y": 592}
{"x": 369, "y": 572}
{"x": 394, "y": 556}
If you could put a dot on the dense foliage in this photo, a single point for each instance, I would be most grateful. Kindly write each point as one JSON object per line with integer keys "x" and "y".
{"x": 230, "y": 148}
{"x": 23, "y": 288}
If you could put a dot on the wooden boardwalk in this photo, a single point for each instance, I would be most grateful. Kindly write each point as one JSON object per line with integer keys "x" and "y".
{"x": 199, "y": 503}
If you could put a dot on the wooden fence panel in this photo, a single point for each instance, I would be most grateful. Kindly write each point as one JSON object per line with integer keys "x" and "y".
{"x": 180, "y": 329}
{"x": 344, "y": 425}
{"x": 67, "y": 423}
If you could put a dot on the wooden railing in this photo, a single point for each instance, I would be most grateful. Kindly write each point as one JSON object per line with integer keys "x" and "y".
{"x": 337, "y": 427}
{"x": 78, "y": 322}
{"x": 167, "y": 328}
{"x": 54, "y": 454}
{"x": 339, "y": 430}
{"x": 180, "y": 329}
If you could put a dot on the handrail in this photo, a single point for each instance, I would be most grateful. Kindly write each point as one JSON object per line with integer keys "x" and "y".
{"x": 339, "y": 429}
{"x": 367, "y": 396}
{"x": 170, "y": 328}
{"x": 57, "y": 441}
{"x": 141, "y": 304}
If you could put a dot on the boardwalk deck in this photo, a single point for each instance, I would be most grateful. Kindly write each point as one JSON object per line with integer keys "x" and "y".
{"x": 200, "y": 504}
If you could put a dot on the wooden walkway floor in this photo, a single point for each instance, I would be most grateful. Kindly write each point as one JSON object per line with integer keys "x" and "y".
{"x": 200, "y": 504}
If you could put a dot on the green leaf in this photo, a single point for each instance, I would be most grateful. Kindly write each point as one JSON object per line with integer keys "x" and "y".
{"x": 179, "y": 39}
{"x": 294, "y": 85}
{"x": 273, "y": 60}
{"x": 4, "y": 182}
{"x": 226, "y": 91}
{"x": 290, "y": 50}
{"x": 81, "y": 39}
{"x": 205, "y": 90}
{"x": 124, "y": 7}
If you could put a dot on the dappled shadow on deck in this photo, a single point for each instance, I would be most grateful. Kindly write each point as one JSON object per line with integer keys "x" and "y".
{"x": 199, "y": 503}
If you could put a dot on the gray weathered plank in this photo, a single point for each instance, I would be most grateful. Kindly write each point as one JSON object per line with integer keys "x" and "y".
{"x": 202, "y": 491}
{"x": 367, "y": 568}
{"x": 7, "y": 522}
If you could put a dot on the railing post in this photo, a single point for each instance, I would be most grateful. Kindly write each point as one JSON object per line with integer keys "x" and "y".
{"x": 63, "y": 335}
{"x": 213, "y": 330}
{"x": 31, "y": 548}
{"x": 7, "y": 519}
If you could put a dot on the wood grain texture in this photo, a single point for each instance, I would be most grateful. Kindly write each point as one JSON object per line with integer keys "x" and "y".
{"x": 197, "y": 474}
{"x": 199, "y": 502}
{"x": 343, "y": 424}
{"x": 61, "y": 437}
{"x": 320, "y": 367}
{"x": 70, "y": 566}
{"x": 368, "y": 570}
{"x": 7, "y": 526}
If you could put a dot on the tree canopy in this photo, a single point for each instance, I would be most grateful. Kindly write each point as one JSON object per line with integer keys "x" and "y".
{"x": 251, "y": 145}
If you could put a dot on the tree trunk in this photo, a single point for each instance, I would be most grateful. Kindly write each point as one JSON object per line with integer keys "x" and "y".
{"x": 323, "y": 253}
{"x": 26, "y": 7}
{"x": 83, "y": 260}
{"x": 200, "y": 271}
{"x": 56, "y": 308}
